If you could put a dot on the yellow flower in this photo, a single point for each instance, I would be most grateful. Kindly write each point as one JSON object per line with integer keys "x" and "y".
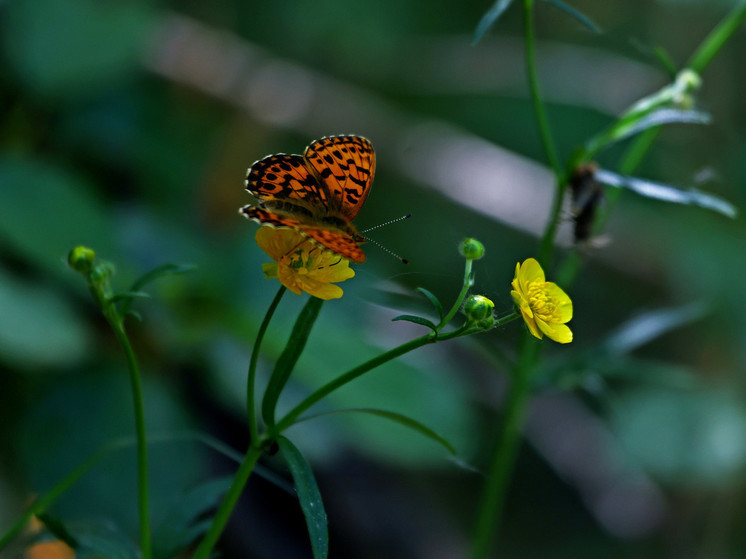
{"x": 543, "y": 304}
{"x": 301, "y": 264}
{"x": 50, "y": 550}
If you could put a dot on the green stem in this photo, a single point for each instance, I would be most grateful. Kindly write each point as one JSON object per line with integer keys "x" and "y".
{"x": 717, "y": 38}
{"x": 251, "y": 382}
{"x": 468, "y": 282}
{"x": 228, "y": 504}
{"x": 547, "y": 141}
{"x": 503, "y": 460}
{"x": 111, "y": 314}
{"x": 533, "y": 83}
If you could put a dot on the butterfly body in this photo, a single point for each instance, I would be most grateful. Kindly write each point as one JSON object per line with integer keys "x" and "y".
{"x": 318, "y": 193}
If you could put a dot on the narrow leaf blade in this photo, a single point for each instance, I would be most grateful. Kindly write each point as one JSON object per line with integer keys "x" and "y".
{"x": 572, "y": 12}
{"x": 289, "y": 357}
{"x": 489, "y": 19}
{"x": 401, "y": 419}
{"x": 417, "y": 320}
{"x": 667, "y": 193}
{"x": 309, "y": 496}
{"x": 659, "y": 117}
{"x": 434, "y": 301}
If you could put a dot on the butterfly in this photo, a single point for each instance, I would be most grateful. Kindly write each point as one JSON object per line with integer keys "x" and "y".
{"x": 318, "y": 193}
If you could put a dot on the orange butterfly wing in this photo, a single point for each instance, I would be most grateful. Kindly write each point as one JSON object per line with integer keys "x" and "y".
{"x": 319, "y": 194}
{"x": 346, "y": 166}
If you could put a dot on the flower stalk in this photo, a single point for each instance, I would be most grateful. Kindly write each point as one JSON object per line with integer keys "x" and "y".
{"x": 98, "y": 276}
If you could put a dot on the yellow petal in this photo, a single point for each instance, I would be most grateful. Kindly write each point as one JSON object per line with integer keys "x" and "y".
{"x": 322, "y": 290}
{"x": 557, "y": 332}
{"x": 530, "y": 271}
{"x": 278, "y": 242}
{"x": 290, "y": 279}
{"x": 531, "y": 323}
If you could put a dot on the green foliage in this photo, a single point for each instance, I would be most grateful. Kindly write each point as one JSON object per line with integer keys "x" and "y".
{"x": 309, "y": 497}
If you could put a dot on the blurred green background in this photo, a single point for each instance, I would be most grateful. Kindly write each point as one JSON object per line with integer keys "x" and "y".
{"x": 128, "y": 127}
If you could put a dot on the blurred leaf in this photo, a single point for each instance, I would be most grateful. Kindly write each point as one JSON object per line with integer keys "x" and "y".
{"x": 667, "y": 193}
{"x": 152, "y": 275}
{"x": 39, "y": 328}
{"x": 161, "y": 271}
{"x": 70, "y": 48}
{"x": 648, "y": 326}
{"x": 666, "y": 61}
{"x": 684, "y": 436}
{"x": 489, "y": 19}
{"x": 97, "y": 539}
{"x": 398, "y": 418}
{"x": 434, "y": 301}
{"x": 46, "y": 210}
{"x": 417, "y": 320}
{"x": 181, "y": 525}
{"x": 58, "y": 529}
{"x": 664, "y": 115}
{"x": 309, "y": 496}
{"x": 582, "y": 18}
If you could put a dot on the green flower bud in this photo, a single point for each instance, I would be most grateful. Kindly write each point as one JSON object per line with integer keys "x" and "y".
{"x": 478, "y": 308}
{"x": 81, "y": 259}
{"x": 471, "y": 249}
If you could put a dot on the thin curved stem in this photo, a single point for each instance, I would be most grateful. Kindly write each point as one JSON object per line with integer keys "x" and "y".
{"x": 251, "y": 377}
{"x": 228, "y": 504}
{"x": 503, "y": 460}
{"x": 139, "y": 410}
{"x": 468, "y": 282}
{"x": 547, "y": 141}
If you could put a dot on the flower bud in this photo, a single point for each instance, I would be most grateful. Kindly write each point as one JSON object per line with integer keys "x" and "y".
{"x": 471, "y": 249}
{"x": 81, "y": 259}
{"x": 478, "y": 308}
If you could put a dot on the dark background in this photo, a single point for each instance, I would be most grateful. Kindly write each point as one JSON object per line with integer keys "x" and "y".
{"x": 128, "y": 127}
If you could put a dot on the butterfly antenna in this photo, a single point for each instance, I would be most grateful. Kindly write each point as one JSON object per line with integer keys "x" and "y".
{"x": 386, "y": 223}
{"x": 384, "y": 249}
{"x": 379, "y": 245}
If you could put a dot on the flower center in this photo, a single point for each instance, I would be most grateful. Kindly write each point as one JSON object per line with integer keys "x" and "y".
{"x": 541, "y": 303}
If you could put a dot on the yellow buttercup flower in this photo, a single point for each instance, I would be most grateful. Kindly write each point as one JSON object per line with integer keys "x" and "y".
{"x": 543, "y": 304}
{"x": 301, "y": 264}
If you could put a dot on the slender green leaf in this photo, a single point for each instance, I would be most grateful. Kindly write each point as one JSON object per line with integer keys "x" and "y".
{"x": 289, "y": 357}
{"x": 129, "y": 295}
{"x": 397, "y": 417}
{"x": 148, "y": 277}
{"x": 417, "y": 320}
{"x": 666, "y": 61}
{"x": 667, "y": 193}
{"x": 717, "y": 38}
{"x": 309, "y": 496}
{"x": 489, "y": 19}
{"x": 569, "y": 10}
{"x": 433, "y": 300}
{"x": 58, "y": 529}
{"x": 160, "y": 271}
